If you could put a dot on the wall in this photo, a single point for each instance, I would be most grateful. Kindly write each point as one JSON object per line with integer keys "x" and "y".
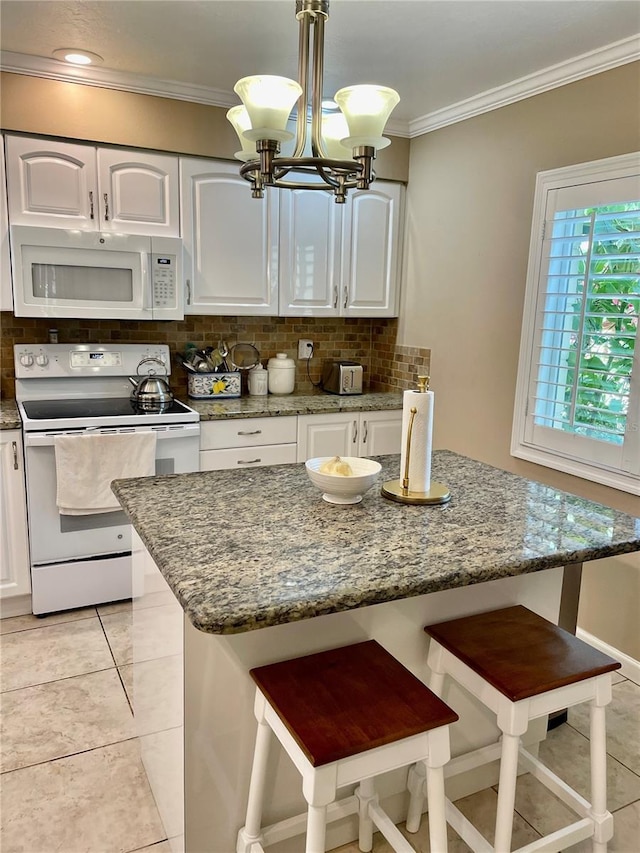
{"x": 470, "y": 201}
{"x": 387, "y": 367}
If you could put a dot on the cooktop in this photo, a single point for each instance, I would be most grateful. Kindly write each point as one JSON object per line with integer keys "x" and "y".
{"x": 92, "y": 408}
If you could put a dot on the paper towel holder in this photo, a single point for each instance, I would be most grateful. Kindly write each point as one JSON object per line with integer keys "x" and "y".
{"x": 398, "y": 490}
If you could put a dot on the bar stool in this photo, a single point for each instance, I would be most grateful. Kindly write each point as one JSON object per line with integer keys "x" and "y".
{"x": 522, "y": 667}
{"x": 344, "y": 716}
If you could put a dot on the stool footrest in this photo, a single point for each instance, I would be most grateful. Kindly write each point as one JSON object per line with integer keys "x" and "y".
{"x": 296, "y": 825}
{"x": 561, "y": 839}
{"x": 554, "y": 783}
{"x": 466, "y": 830}
{"x": 389, "y": 830}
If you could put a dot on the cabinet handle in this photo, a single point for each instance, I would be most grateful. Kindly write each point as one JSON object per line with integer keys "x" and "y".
{"x": 355, "y": 431}
{"x": 188, "y": 291}
{"x": 91, "y": 216}
{"x": 346, "y": 296}
{"x": 335, "y": 296}
{"x": 14, "y": 447}
{"x": 250, "y": 432}
{"x": 106, "y": 207}
{"x": 248, "y": 461}
{"x": 365, "y": 432}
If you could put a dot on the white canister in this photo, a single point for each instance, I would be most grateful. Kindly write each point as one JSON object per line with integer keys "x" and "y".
{"x": 282, "y": 374}
{"x": 258, "y": 381}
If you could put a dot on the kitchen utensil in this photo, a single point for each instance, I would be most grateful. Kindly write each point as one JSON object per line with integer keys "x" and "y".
{"x": 151, "y": 393}
{"x": 188, "y": 366}
{"x": 223, "y": 349}
{"x": 244, "y": 356}
{"x": 338, "y": 489}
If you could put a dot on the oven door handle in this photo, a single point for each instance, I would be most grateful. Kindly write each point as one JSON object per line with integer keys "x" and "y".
{"x": 47, "y": 439}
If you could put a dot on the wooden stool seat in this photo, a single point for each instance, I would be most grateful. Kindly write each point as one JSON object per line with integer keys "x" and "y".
{"x": 520, "y": 653}
{"x": 522, "y": 667}
{"x": 345, "y": 701}
{"x": 345, "y": 716}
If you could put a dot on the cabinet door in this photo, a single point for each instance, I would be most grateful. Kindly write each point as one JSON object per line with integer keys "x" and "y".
{"x": 310, "y": 223}
{"x": 6, "y": 292}
{"x": 230, "y": 242}
{"x": 380, "y": 433}
{"x": 138, "y": 192}
{"x": 371, "y": 252}
{"x": 51, "y": 183}
{"x": 328, "y": 435}
{"x": 14, "y": 553}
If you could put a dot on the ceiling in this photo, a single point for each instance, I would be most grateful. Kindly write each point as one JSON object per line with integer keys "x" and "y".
{"x": 434, "y": 52}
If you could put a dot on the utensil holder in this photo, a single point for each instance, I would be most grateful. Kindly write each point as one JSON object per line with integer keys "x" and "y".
{"x": 208, "y": 386}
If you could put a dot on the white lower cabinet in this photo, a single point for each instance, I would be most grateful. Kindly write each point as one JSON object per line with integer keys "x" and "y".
{"x": 14, "y": 550}
{"x": 247, "y": 442}
{"x": 349, "y": 434}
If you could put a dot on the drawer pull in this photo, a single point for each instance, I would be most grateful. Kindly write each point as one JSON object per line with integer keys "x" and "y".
{"x": 250, "y": 432}
{"x": 14, "y": 447}
{"x": 248, "y": 461}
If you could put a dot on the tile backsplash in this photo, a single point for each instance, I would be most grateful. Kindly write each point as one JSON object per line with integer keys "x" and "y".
{"x": 372, "y": 342}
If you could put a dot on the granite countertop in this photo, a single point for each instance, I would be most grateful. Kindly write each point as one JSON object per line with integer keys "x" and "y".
{"x": 293, "y": 404}
{"x": 243, "y": 550}
{"x": 9, "y": 415}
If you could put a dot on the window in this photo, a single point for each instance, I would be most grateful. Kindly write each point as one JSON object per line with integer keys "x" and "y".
{"x": 578, "y": 393}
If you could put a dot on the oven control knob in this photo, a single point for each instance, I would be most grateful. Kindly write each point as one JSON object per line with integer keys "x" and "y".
{"x": 42, "y": 360}
{"x": 26, "y": 360}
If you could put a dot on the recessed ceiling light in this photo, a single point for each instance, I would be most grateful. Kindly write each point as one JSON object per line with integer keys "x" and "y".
{"x": 77, "y": 57}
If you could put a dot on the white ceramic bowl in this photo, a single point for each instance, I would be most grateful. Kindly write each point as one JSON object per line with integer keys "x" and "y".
{"x": 344, "y": 490}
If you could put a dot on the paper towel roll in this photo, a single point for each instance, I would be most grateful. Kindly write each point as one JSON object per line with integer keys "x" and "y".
{"x": 421, "y": 437}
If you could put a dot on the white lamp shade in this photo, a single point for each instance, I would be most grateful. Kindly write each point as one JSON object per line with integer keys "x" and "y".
{"x": 335, "y": 128}
{"x": 366, "y": 109}
{"x": 239, "y": 118}
{"x": 269, "y": 101}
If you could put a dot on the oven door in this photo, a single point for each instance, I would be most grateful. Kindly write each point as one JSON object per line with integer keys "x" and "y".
{"x": 56, "y": 538}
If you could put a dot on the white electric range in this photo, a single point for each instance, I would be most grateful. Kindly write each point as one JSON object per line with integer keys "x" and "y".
{"x": 84, "y": 389}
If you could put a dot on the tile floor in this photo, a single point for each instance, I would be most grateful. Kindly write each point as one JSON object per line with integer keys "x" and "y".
{"x": 72, "y": 780}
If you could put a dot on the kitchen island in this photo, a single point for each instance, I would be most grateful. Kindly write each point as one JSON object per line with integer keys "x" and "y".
{"x": 237, "y": 569}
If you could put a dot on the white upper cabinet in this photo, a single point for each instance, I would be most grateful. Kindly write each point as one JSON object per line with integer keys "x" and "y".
{"x": 341, "y": 260}
{"x": 6, "y": 293}
{"x": 67, "y": 185}
{"x": 372, "y": 251}
{"x": 310, "y": 224}
{"x": 230, "y": 242}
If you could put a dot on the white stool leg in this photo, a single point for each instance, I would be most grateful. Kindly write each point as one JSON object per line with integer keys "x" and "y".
{"x": 250, "y": 832}
{"x": 416, "y": 785}
{"x": 436, "y": 801}
{"x": 506, "y": 792}
{"x": 316, "y": 829}
{"x": 365, "y": 793}
{"x": 598, "y": 746}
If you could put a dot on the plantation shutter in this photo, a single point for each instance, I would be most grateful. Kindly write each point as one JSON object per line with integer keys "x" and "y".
{"x": 581, "y": 377}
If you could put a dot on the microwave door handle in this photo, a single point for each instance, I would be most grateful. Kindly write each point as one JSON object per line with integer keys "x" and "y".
{"x": 147, "y": 290}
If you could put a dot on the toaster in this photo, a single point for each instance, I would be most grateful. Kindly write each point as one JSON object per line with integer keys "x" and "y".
{"x": 342, "y": 377}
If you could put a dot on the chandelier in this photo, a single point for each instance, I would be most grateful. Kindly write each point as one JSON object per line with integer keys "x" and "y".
{"x": 343, "y": 145}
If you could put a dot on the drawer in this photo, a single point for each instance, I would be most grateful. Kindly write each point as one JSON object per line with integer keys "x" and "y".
{"x": 247, "y": 432}
{"x": 249, "y": 457}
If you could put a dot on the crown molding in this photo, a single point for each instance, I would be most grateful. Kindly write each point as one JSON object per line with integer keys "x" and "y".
{"x": 587, "y": 64}
{"x": 105, "y": 78}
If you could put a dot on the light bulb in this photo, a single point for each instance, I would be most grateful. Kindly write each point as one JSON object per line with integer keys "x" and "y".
{"x": 366, "y": 109}
{"x": 269, "y": 101}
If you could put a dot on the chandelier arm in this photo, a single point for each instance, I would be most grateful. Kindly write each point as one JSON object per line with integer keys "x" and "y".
{"x": 317, "y": 146}
{"x": 303, "y": 80}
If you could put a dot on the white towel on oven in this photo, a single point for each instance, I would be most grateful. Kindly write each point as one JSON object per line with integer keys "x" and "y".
{"x": 86, "y": 464}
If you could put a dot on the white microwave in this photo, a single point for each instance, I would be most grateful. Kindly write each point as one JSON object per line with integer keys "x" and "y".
{"x": 60, "y": 273}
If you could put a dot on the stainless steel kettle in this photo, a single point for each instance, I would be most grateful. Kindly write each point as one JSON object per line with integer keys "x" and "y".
{"x": 151, "y": 393}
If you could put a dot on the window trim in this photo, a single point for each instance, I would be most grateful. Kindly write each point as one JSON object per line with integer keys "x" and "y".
{"x": 597, "y": 171}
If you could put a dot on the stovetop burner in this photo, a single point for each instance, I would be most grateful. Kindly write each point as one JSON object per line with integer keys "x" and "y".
{"x": 38, "y": 410}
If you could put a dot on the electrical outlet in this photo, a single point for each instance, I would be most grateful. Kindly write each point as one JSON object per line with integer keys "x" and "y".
{"x": 305, "y": 349}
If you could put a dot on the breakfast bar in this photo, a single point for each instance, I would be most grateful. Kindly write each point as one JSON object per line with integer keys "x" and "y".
{"x": 238, "y": 569}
